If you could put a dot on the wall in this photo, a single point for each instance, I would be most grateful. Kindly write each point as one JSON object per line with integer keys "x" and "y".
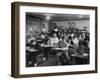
{"x": 33, "y": 24}
{"x": 5, "y": 40}
{"x": 36, "y": 24}
{"x": 80, "y": 24}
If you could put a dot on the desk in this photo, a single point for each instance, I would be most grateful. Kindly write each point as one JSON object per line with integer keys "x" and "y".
{"x": 60, "y": 49}
{"x": 61, "y": 54}
{"x": 31, "y": 54}
{"x": 30, "y": 49}
{"x": 81, "y": 59}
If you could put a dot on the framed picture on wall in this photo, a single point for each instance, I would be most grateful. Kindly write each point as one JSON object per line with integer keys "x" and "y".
{"x": 53, "y": 39}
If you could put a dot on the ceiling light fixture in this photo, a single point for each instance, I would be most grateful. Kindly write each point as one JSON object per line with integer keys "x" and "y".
{"x": 48, "y": 18}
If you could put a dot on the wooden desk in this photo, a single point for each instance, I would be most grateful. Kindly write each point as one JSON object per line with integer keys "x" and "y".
{"x": 31, "y": 54}
{"x": 30, "y": 49}
{"x": 81, "y": 59}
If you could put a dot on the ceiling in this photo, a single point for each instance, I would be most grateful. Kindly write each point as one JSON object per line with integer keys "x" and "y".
{"x": 59, "y": 17}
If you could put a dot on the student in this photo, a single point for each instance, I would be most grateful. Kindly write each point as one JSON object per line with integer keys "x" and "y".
{"x": 63, "y": 43}
{"x": 76, "y": 42}
{"x": 54, "y": 39}
{"x": 64, "y": 57}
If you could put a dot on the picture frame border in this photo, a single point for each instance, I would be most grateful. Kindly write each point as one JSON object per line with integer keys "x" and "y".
{"x": 15, "y": 32}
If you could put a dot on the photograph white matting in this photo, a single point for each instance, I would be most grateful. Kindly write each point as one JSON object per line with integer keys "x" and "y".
{"x": 54, "y": 69}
